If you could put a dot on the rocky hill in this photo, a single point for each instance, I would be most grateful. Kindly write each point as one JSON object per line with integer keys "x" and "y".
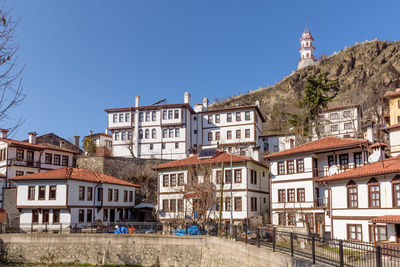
{"x": 364, "y": 72}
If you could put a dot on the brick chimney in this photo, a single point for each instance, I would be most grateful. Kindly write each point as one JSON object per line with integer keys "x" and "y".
{"x": 32, "y": 137}
{"x": 76, "y": 140}
{"x": 3, "y": 133}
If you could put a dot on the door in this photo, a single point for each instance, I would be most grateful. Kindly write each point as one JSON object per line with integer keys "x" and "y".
{"x": 315, "y": 167}
{"x": 112, "y": 215}
{"x": 397, "y": 229}
{"x": 319, "y": 222}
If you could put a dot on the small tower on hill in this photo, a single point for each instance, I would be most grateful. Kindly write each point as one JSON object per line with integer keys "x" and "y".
{"x": 306, "y": 50}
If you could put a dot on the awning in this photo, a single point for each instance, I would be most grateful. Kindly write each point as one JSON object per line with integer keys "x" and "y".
{"x": 144, "y": 205}
{"x": 387, "y": 219}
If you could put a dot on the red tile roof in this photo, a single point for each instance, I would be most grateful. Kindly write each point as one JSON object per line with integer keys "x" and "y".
{"x": 17, "y": 143}
{"x": 320, "y": 145}
{"x": 387, "y": 219}
{"x": 339, "y": 107}
{"x": 219, "y": 157}
{"x": 96, "y": 134}
{"x": 397, "y": 125}
{"x": 392, "y": 94}
{"x": 389, "y": 166}
{"x": 74, "y": 174}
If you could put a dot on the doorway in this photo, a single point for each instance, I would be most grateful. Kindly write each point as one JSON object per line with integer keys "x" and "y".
{"x": 319, "y": 222}
{"x": 112, "y": 215}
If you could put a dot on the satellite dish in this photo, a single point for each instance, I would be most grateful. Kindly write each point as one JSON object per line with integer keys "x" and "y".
{"x": 333, "y": 169}
{"x": 374, "y": 157}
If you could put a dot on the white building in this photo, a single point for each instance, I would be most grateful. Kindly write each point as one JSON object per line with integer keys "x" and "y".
{"x": 250, "y": 186}
{"x": 72, "y": 197}
{"x": 102, "y": 141}
{"x": 19, "y": 158}
{"x": 296, "y": 196}
{"x": 339, "y": 121}
{"x": 276, "y": 143}
{"x": 306, "y": 50}
{"x": 366, "y": 200}
{"x": 174, "y": 131}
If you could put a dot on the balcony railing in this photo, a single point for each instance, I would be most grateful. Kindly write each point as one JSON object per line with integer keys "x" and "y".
{"x": 25, "y": 163}
{"x": 321, "y": 202}
{"x": 331, "y": 170}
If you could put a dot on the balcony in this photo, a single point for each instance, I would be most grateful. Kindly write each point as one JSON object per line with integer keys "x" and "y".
{"x": 23, "y": 163}
{"x": 321, "y": 202}
{"x": 334, "y": 169}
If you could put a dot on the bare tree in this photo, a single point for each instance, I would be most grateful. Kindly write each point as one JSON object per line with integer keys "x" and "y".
{"x": 11, "y": 93}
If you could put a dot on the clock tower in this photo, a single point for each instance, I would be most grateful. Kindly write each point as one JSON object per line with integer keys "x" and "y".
{"x": 306, "y": 50}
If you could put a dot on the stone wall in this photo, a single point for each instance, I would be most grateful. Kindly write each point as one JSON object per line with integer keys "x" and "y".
{"x": 146, "y": 250}
{"x": 9, "y": 203}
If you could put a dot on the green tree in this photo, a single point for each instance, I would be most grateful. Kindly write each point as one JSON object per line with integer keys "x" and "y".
{"x": 318, "y": 92}
{"x": 89, "y": 146}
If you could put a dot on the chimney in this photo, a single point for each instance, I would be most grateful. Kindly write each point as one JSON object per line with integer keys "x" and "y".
{"x": 76, "y": 140}
{"x": 32, "y": 137}
{"x": 187, "y": 98}
{"x": 62, "y": 143}
{"x": 205, "y": 103}
{"x": 106, "y": 131}
{"x": 258, "y": 103}
{"x": 370, "y": 133}
{"x": 3, "y": 133}
{"x": 90, "y": 132}
{"x": 137, "y": 98}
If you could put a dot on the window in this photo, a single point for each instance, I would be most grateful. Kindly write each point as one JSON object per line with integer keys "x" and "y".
{"x": 333, "y": 116}
{"x": 99, "y": 194}
{"x": 125, "y": 195}
{"x": 227, "y": 204}
{"x": 253, "y": 177}
{"x": 48, "y": 158}
{"x": 35, "y": 216}
{"x": 218, "y": 176}
{"x": 29, "y": 156}
{"x": 238, "y": 118}
{"x": 57, "y": 159}
{"x": 229, "y": 135}
{"x": 170, "y": 132}
{"x": 45, "y": 216}
{"x": 347, "y": 113}
{"x": 276, "y": 148}
{"x": 20, "y": 155}
{"x": 180, "y": 205}
{"x": 253, "y": 202}
{"x": 173, "y": 179}
{"x": 164, "y": 114}
{"x": 358, "y": 159}
{"x": 301, "y": 195}
{"x": 291, "y": 218}
{"x": 398, "y": 103}
{"x": 153, "y": 115}
{"x": 52, "y": 192}
{"x": 165, "y": 181}
{"x": 164, "y": 133}
{"x": 31, "y": 192}
{"x": 176, "y": 132}
{"x": 344, "y": 161}
{"x": 121, "y": 117}
{"x": 90, "y": 193}
{"x": 281, "y": 218}
{"x": 176, "y": 145}
{"x": 210, "y": 136}
{"x": 19, "y": 173}
{"x": 228, "y": 176}
{"x": 195, "y": 131}
{"x": 290, "y": 166}
{"x": 217, "y": 118}
{"x": 247, "y": 115}
{"x": 163, "y": 146}
{"x": 110, "y": 195}
{"x": 374, "y": 194}
{"x": 81, "y": 193}
{"x": 352, "y": 195}
{"x": 151, "y": 147}
{"x": 42, "y": 192}
{"x": 116, "y": 195}
{"x": 81, "y": 215}
{"x": 127, "y": 117}
{"x": 348, "y": 125}
{"x": 354, "y": 232}
{"x": 65, "y": 160}
{"x": 281, "y": 196}
{"x": 115, "y": 118}
{"x": 89, "y": 215}
{"x": 147, "y": 134}
{"x": 281, "y": 168}
{"x": 217, "y": 136}
{"x": 334, "y": 128}
{"x": 229, "y": 117}
{"x": 321, "y": 129}
{"x": 238, "y": 176}
{"x": 310, "y": 219}
{"x": 123, "y": 135}
{"x": 238, "y": 134}
{"x": 116, "y": 136}
{"x": 331, "y": 160}
{"x": 176, "y": 114}
{"x": 172, "y": 205}
{"x": 56, "y": 216}
{"x": 380, "y": 233}
{"x": 130, "y": 196}
{"x": 147, "y": 115}
{"x": 300, "y": 165}
{"x": 140, "y": 133}
{"x": 291, "y": 195}
{"x": 165, "y": 205}
{"x": 238, "y": 203}
{"x": 180, "y": 179}
{"x": 247, "y": 133}
{"x": 170, "y": 114}
{"x": 210, "y": 119}
{"x": 140, "y": 116}
{"x": 105, "y": 215}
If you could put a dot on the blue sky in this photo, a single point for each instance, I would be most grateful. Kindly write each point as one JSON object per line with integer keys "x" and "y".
{"x": 82, "y": 56}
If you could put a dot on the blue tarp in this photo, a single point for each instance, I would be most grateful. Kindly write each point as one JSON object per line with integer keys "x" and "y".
{"x": 192, "y": 230}
{"x": 121, "y": 230}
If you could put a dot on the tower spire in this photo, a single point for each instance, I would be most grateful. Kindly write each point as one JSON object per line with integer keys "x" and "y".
{"x": 306, "y": 49}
